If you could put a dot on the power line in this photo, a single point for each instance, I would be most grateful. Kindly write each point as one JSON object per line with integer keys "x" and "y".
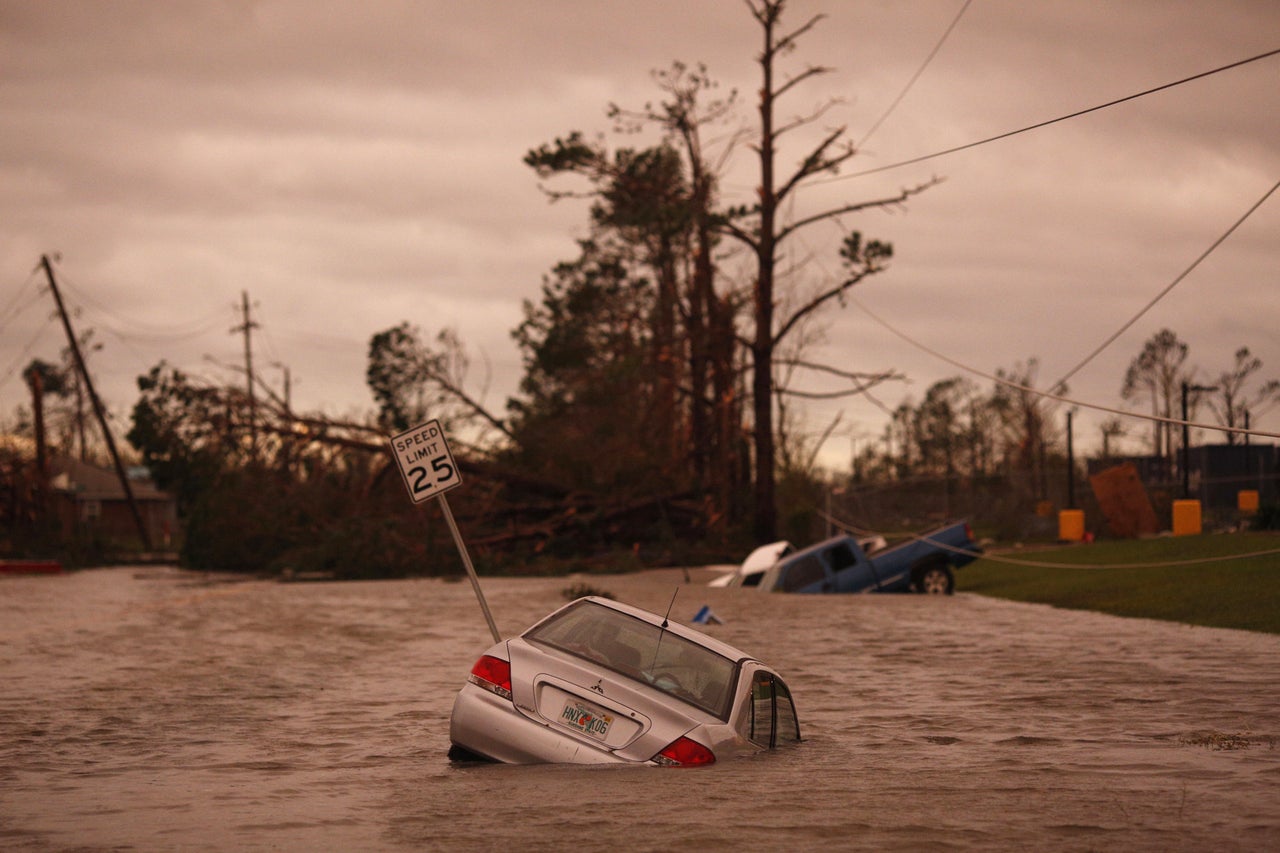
{"x": 1195, "y": 561}
{"x": 1172, "y": 285}
{"x": 999, "y": 380}
{"x": 1038, "y": 125}
{"x": 12, "y": 311}
{"x": 914, "y": 77}
{"x": 17, "y": 362}
{"x": 129, "y": 328}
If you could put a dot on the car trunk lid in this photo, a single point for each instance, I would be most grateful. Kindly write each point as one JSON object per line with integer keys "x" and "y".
{"x": 604, "y": 709}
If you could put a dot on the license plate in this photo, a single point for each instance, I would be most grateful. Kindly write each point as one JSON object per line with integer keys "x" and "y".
{"x": 590, "y": 722}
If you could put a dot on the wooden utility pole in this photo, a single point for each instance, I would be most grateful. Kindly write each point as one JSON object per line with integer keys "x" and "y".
{"x": 247, "y": 327}
{"x": 1071, "y": 465}
{"x": 97, "y": 405}
{"x": 288, "y": 390}
{"x": 84, "y": 444}
{"x": 36, "y": 384}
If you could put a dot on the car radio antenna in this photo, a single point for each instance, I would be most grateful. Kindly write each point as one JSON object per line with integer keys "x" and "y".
{"x": 666, "y": 620}
{"x": 665, "y": 623}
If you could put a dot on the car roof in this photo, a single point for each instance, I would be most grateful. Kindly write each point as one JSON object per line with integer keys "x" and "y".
{"x": 816, "y": 547}
{"x": 690, "y": 634}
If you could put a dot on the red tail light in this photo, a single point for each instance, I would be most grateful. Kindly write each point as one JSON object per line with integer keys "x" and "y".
{"x": 493, "y": 674}
{"x": 685, "y": 753}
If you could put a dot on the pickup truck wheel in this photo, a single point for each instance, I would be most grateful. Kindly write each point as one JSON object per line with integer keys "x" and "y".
{"x": 936, "y": 580}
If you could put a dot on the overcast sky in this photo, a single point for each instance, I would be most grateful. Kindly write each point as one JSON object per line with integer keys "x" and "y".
{"x": 352, "y": 166}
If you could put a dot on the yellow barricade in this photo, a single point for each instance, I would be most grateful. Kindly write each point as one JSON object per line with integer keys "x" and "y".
{"x": 1186, "y": 518}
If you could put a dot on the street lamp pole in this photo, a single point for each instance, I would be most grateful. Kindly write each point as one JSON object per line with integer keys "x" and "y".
{"x": 1071, "y": 466}
{"x": 1186, "y": 435}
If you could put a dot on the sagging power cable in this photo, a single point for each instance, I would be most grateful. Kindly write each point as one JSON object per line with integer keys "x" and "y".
{"x": 13, "y": 309}
{"x": 914, "y": 77}
{"x": 1041, "y": 124}
{"x": 17, "y": 364}
{"x": 1216, "y": 243}
{"x": 999, "y": 380}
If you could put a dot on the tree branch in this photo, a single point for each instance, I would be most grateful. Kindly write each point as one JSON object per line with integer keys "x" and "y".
{"x": 857, "y": 206}
{"x": 800, "y": 121}
{"x": 822, "y": 299}
{"x": 811, "y": 71}
{"x": 874, "y": 378}
{"x": 816, "y": 162}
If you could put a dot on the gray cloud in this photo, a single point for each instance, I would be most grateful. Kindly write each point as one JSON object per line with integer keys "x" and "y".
{"x": 355, "y": 166}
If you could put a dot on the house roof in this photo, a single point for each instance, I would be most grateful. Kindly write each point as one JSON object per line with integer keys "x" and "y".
{"x": 86, "y": 481}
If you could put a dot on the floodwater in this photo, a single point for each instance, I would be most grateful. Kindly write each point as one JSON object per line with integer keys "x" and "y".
{"x": 154, "y": 709}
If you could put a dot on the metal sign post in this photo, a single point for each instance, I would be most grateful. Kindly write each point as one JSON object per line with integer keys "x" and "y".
{"x": 428, "y": 470}
{"x": 471, "y": 570}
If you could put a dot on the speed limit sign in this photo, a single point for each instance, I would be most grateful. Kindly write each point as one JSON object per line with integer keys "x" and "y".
{"x": 425, "y": 462}
{"x": 429, "y": 471}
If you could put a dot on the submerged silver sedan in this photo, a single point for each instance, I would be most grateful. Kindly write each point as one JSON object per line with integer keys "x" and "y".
{"x": 599, "y": 682}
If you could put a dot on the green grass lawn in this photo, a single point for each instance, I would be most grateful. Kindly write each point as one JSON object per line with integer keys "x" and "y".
{"x": 1150, "y": 578}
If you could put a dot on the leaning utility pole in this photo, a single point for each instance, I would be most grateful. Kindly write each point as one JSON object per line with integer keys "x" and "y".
{"x": 97, "y": 405}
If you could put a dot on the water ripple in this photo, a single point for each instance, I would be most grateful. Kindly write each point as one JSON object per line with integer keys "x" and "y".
{"x": 165, "y": 710}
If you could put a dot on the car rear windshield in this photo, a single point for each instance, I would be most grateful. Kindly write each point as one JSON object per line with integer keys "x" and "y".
{"x": 644, "y": 652}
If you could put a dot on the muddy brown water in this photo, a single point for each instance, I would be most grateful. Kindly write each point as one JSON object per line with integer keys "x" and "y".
{"x": 158, "y": 710}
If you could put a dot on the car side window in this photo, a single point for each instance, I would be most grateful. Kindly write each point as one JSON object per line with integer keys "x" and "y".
{"x": 787, "y": 728}
{"x": 803, "y": 572}
{"x": 760, "y": 729}
{"x": 773, "y": 714}
{"x": 842, "y": 557}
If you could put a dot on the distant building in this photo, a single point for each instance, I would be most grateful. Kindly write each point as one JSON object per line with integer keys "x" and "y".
{"x": 1216, "y": 473}
{"x": 1219, "y": 472}
{"x": 89, "y": 499}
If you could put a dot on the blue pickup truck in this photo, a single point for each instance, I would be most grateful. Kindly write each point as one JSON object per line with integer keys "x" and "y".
{"x": 925, "y": 563}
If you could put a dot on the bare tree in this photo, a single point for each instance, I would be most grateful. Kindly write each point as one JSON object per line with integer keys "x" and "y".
{"x": 410, "y": 378}
{"x": 759, "y": 227}
{"x": 1233, "y": 405}
{"x": 1155, "y": 375}
{"x": 708, "y": 318}
{"x": 1112, "y": 428}
{"x": 1027, "y": 419}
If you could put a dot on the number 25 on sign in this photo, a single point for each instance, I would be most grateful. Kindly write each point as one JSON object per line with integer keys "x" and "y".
{"x": 425, "y": 462}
